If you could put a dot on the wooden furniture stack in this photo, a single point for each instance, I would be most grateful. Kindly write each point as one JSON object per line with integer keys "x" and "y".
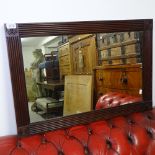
{"x": 114, "y": 59}
{"x": 78, "y": 56}
{"x": 120, "y": 67}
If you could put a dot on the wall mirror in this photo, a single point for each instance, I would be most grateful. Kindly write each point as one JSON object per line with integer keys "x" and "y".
{"x": 60, "y": 70}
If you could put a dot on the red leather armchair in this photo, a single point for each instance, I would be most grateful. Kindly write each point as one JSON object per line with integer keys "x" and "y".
{"x": 113, "y": 99}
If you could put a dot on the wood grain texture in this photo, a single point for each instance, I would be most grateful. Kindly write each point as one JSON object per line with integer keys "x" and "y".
{"x": 13, "y": 37}
{"x": 83, "y": 27}
{"x": 65, "y": 66}
{"x": 83, "y": 55}
{"x": 78, "y": 94}
{"x": 110, "y": 79}
{"x": 17, "y": 77}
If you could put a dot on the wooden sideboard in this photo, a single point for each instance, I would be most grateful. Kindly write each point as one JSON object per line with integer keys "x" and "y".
{"x": 119, "y": 78}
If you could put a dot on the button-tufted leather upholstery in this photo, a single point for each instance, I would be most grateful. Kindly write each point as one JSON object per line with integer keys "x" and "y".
{"x": 131, "y": 135}
{"x": 113, "y": 99}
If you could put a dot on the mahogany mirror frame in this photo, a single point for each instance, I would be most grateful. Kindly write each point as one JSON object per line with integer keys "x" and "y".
{"x": 14, "y": 33}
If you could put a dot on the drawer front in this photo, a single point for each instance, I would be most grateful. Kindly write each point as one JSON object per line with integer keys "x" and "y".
{"x": 99, "y": 78}
{"x": 65, "y": 70}
{"x": 127, "y": 80}
{"x": 63, "y": 51}
{"x": 134, "y": 77}
{"x": 64, "y": 60}
{"x": 103, "y": 78}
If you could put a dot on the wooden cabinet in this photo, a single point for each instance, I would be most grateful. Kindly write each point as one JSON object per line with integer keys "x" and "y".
{"x": 119, "y": 78}
{"x": 65, "y": 60}
{"x": 83, "y": 51}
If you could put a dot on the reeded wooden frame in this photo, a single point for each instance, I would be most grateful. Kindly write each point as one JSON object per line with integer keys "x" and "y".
{"x": 20, "y": 30}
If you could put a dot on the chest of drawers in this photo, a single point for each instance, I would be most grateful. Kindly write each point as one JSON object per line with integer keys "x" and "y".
{"x": 65, "y": 60}
{"x": 120, "y": 78}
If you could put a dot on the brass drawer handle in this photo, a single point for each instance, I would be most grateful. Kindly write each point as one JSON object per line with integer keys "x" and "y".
{"x": 100, "y": 79}
{"x": 124, "y": 79}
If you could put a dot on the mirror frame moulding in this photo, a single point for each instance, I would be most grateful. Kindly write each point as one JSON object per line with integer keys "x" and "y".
{"x": 14, "y": 33}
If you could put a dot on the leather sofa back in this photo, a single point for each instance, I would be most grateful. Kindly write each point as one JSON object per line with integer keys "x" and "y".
{"x": 130, "y": 135}
{"x": 113, "y": 99}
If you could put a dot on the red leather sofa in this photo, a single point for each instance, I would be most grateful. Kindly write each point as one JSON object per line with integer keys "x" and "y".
{"x": 130, "y": 135}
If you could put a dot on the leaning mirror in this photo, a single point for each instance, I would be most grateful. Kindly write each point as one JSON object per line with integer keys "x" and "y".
{"x": 65, "y": 74}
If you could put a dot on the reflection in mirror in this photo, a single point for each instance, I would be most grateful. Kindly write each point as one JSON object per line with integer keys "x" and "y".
{"x": 72, "y": 74}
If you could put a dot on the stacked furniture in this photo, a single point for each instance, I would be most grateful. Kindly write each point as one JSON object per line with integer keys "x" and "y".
{"x": 78, "y": 55}
{"x": 50, "y": 103}
{"x": 120, "y": 67}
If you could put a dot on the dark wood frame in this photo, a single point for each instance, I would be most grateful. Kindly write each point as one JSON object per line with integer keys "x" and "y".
{"x": 13, "y": 38}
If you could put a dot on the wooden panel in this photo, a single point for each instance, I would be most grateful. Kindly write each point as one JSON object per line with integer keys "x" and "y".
{"x": 130, "y": 49}
{"x": 119, "y": 47}
{"x": 64, "y": 50}
{"x": 65, "y": 70}
{"x": 64, "y": 60}
{"x": 84, "y": 56}
{"x": 129, "y": 36}
{"x": 116, "y": 51}
{"x": 78, "y": 94}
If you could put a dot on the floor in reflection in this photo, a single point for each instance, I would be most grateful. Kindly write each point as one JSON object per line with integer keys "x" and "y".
{"x": 34, "y": 116}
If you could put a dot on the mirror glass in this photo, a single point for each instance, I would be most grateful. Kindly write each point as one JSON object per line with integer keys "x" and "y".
{"x": 69, "y": 74}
